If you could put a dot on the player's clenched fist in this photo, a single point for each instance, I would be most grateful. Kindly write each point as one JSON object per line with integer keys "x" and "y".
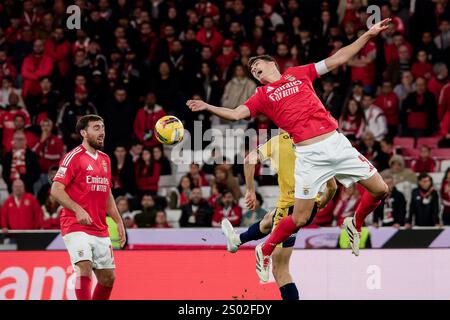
{"x": 196, "y": 105}
{"x": 83, "y": 217}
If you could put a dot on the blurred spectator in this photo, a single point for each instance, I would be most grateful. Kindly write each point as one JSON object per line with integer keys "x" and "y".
{"x": 34, "y": 66}
{"x": 198, "y": 213}
{"x": 425, "y": 162}
{"x": 405, "y": 87}
{"x": 21, "y": 210}
{"x": 197, "y": 176}
{"x": 166, "y": 87}
{"x": 161, "y": 220}
{"x": 180, "y": 195}
{"x": 398, "y": 171}
{"x": 424, "y": 206}
{"x": 227, "y": 57}
{"x": 145, "y": 121}
{"x": 444, "y": 101}
{"x": 419, "y": 112}
{"x": 208, "y": 35}
{"x": 7, "y": 69}
{"x": 21, "y": 163}
{"x": 330, "y": 97}
{"x": 215, "y": 195}
{"x": 145, "y": 217}
{"x": 47, "y": 102}
{"x": 388, "y": 102}
{"x": 387, "y": 151}
{"x": 439, "y": 80}
{"x": 395, "y": 68}
{"x": 370, "y": 148}
{"x": 445, "y": 196}
{"x": 346, "y": 202}
{"x": 44, "y": 189}
{"x": 392, "y": 210}
{"x": 7, "y": 120}
{"x": 6, "y": 90}
{"x": 51, "y": 213}
{"x": 225, "y": 180}
{"x": 58, "y": 49}
{"x": 122, "y": 171}
{"x": 207, "y": 84}
{"x": 160, "y": 157}
{"x": 251, "y": 217}
{"x": 352, "y": 120}
{"x": 136, "y": 150}
{"x": 376, "y": 121}
{"x": 284, "y": 58}
{"x": 69, "y": 114}
{"x": 124, "y": 210}
{"x": 229, "y": 209}
{"x": 147, "y": 172}
{"x": 19, "y": 125}
{"x": 238, "y": 89}
{"x": 49, "y": 148}
{"x": 442, "y": 40}
{"x": 422, "y": 68}
{"x": 118, "y": 111}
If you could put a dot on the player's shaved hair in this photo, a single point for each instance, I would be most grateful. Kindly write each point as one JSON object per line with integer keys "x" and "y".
{"x": 83, "y": 122}
{"x": 264, "y": 57}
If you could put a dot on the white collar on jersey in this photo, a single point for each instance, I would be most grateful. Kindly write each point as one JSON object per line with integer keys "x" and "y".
{"x": 93, "y": 156}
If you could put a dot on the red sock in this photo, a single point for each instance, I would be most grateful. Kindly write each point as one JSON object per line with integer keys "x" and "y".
{"x": 283, "y": 230}
{"x": 367, "y": 204}
{"x": 101, "y": 292}
{"x": 83, "y": 288}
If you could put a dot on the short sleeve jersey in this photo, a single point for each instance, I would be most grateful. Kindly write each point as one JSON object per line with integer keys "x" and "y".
{"x": 87, "y": 178}
{"x": 292, "y": 104}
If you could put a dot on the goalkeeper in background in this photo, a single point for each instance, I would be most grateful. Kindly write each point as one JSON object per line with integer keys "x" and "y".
{"x": 279, "y": 150}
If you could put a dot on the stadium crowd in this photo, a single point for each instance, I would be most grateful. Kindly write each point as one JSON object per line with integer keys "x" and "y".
{"x": 133, "y": 62}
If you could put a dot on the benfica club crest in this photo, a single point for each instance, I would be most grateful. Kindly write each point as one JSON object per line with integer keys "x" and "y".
{"x": 105, "y": 166}
{"x": 290, "y": 77}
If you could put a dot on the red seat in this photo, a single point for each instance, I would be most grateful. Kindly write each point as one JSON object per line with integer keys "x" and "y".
{"x": 404, "y": 142}
{"x": 441, "y": 153}
{"x": 410, "y": 153}
{"x": 431, "y": 142}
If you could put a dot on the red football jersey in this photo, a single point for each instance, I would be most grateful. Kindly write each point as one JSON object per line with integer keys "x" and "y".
{"x": 292, "y": 104}
{"x": 87, "y": 178}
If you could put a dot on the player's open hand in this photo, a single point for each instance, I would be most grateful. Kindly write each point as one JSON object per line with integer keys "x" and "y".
{"x": 379, "y": 27}
{"x": 250, "y": 200}
{"x": 83, "y": 217}
{"x": 122, "y": 234}
{"x": 196, "y": 105}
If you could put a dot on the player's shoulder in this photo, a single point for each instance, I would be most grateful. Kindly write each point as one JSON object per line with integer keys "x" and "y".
{"x": 103, "y": 154}
{"x": 72, "y": 156}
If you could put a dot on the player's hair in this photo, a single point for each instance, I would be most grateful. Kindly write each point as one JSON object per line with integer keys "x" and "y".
{"x": 264, "y": 57}
{"x": 83, "y": 122}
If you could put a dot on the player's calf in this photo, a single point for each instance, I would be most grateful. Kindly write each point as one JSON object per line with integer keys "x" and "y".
{"x": 103, "y": 289}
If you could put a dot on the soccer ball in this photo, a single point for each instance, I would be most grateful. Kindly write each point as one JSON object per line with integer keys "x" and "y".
{"x": 169, "y": 130}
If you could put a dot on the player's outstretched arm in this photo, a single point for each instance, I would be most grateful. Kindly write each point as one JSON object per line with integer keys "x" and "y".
{"x": 250, "y": 162}
{"x": 113, "y": 212}
{"x": 59, "y": 193}
{"x": 346, "y": 53}
{"x": 241, "y": 112}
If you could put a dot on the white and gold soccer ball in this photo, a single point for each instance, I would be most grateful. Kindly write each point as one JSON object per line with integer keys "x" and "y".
{"x": 169, "y": 130}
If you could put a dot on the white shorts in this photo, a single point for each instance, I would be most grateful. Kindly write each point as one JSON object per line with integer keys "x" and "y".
{"x": 335, "y": 157}
{"x": 83, "y": 246}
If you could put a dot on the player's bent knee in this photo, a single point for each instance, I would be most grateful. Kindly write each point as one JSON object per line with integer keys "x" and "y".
{"x": 84, "y": 268}
{"x": 107, "y": 280}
